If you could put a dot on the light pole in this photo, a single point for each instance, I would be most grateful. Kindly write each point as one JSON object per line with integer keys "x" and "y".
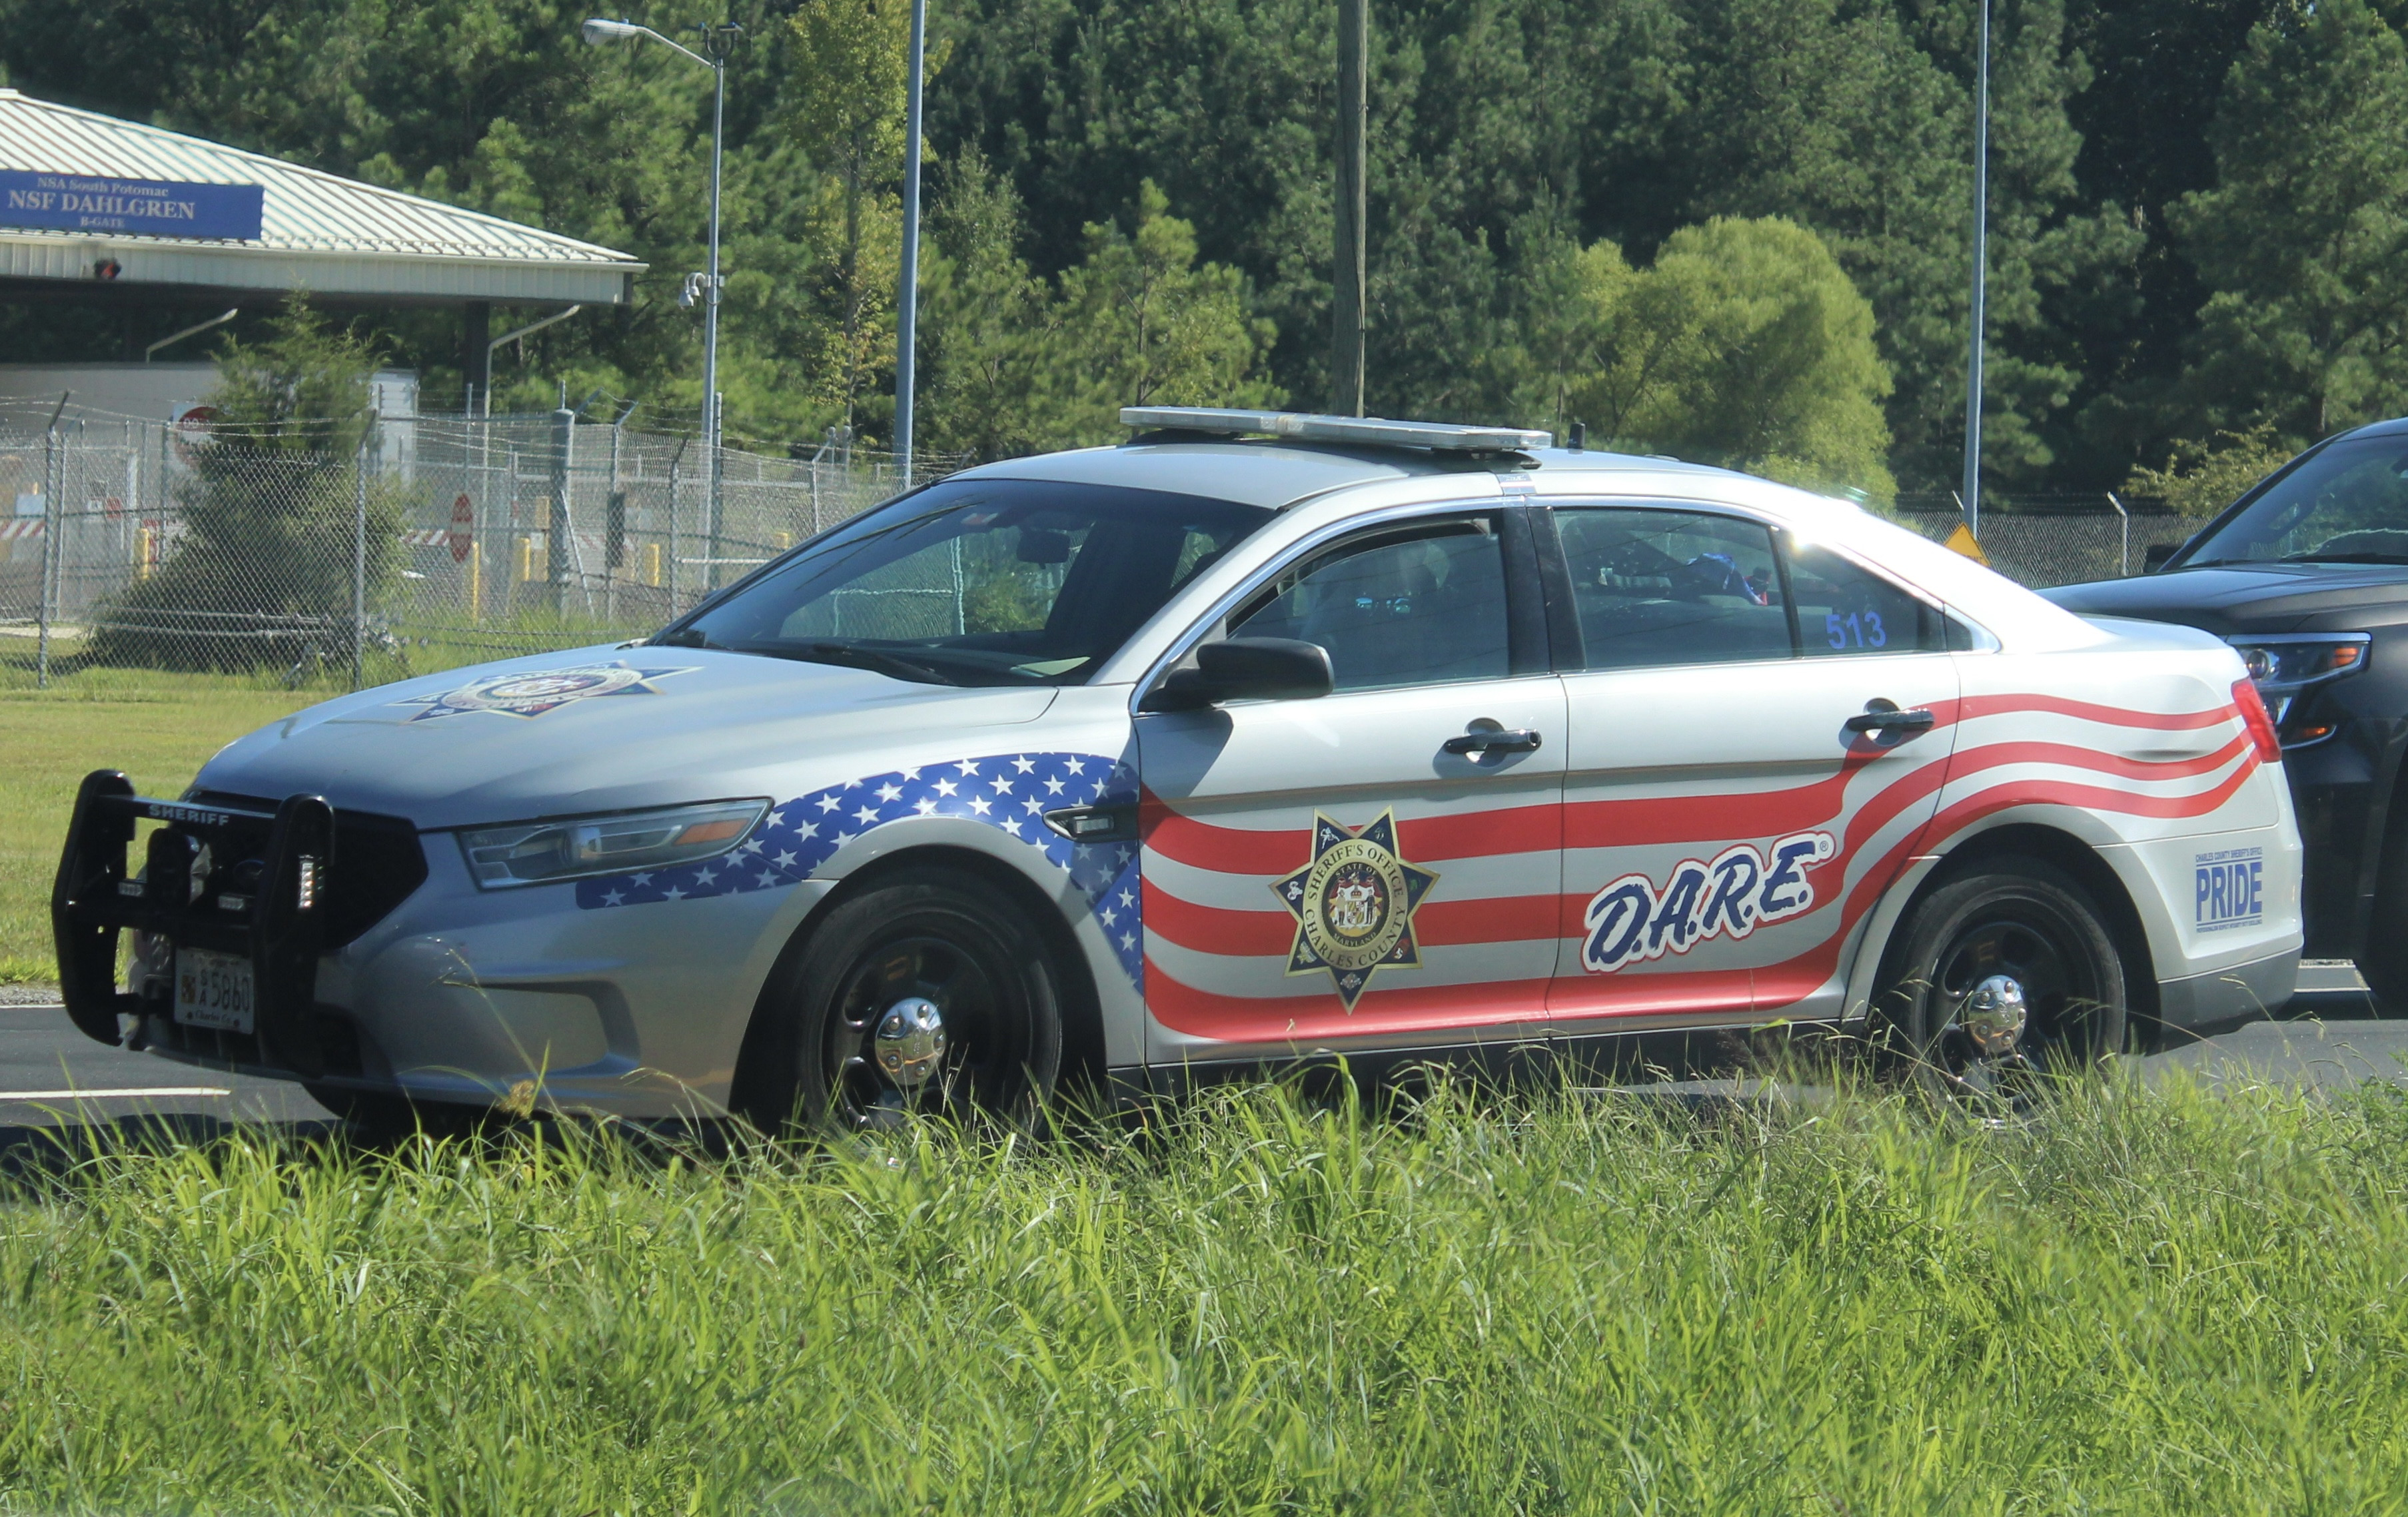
{"x": 1346, "y": 288}
{"x": 717, "y": 41}
{"x": 907, "y": 317}
{"x": 1980, "y": 280}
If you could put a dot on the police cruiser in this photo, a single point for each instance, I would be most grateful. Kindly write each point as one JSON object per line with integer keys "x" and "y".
{"x": 1259, "y": 735}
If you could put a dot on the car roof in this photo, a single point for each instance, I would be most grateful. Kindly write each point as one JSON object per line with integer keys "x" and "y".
{"x": 1277, "y": 473}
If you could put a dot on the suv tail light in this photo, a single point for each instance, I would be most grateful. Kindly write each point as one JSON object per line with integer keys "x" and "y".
{"x": 2260, "y": 725}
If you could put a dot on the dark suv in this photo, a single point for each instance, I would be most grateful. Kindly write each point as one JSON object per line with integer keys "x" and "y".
{"x": 2307, "y": 575}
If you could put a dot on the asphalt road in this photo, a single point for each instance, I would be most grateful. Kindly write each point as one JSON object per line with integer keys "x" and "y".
{"x": 53, "y": 1076}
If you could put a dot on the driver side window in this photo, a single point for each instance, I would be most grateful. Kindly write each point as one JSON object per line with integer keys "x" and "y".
{"x": 1421, "y": 606}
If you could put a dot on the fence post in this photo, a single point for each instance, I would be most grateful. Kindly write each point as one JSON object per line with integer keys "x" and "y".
{"x": 2124, "y": 517}
{"x": 677, "y": 483}
{"x": 53, "y": 525}
{"x": 360, "y": 561}
{"x": 556, "y": 546}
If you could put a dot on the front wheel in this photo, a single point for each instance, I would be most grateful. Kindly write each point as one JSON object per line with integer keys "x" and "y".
{"x": 2002, "y": 978}
{"x": 926, "y": 996}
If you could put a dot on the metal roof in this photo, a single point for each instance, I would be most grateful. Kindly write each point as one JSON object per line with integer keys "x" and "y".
{"x": 321, "y": 232}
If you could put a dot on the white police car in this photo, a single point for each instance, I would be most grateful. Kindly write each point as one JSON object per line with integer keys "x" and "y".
{"x": 1257, "y": 736}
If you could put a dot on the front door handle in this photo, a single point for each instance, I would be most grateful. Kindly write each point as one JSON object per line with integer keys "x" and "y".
{"x": 1884, "y": 716}
{"x": 1486, "y": 739}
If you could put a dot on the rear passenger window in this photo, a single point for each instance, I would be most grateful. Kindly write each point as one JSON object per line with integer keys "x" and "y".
{"x": 1843, "y": 610}
{"x": 1666, "y": 587}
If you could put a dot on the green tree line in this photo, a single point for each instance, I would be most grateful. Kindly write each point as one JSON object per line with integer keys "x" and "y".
{"x": 1729, "y": 229}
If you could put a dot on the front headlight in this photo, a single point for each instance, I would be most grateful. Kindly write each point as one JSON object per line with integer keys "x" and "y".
{"x": 573, "y": 848}
{"x": 2285, "y": 667}
{"x": 2286, "y": 664}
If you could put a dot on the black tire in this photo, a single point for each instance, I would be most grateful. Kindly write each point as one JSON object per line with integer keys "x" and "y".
{"x": 927, "y": 936}
{"x": 2024, "y": 920}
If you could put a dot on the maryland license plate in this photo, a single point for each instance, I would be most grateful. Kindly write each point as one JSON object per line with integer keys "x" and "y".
{"x": 213, "y": 990}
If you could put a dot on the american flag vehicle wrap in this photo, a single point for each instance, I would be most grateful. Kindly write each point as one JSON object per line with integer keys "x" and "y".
{"x": 1009, "y": 792}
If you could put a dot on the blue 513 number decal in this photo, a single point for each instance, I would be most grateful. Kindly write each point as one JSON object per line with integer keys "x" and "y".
{"x": 1857, "y": 629}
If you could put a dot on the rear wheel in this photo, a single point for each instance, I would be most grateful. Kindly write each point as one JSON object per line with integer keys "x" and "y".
{"x": 927, "y": 995}
{"x": 2001, "y": 979}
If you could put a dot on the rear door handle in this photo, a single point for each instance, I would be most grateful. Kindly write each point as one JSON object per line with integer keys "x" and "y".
{"x": 1495, "y": 740}
{"x": 1884, "y": 716}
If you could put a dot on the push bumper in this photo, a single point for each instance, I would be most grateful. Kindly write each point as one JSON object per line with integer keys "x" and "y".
{"x": 254, "y": 884}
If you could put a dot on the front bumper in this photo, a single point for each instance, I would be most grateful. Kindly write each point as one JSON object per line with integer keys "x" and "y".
{"x": 253, "y": 883}
{"x": 405, "y": 978}
{"x": 2333, "y": 793}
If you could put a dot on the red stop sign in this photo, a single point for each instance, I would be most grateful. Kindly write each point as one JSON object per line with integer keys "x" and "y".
{"x": 464, "y": 529}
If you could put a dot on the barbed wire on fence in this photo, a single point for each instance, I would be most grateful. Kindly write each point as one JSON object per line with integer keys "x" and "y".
{"x": 2061, "y": 538}
{"x": 447, "y": 540}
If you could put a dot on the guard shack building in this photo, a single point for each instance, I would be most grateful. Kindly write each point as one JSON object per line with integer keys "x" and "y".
{"x": 179, "y": 236}
{"x": 110, "y": 213}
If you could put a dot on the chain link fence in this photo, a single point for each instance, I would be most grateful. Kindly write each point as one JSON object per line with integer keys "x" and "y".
{"x": 2057, "y": 539}
{"x": 446, "y": 540}
{"x": 441, "y": 541}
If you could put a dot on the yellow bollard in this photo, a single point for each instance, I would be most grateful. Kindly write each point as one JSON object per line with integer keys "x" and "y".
{"x": 526, "y": 559}
{"x": 476, "y": 582}
{"x": 652, "y": 563}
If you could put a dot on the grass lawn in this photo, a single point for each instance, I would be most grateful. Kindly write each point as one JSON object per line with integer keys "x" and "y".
{"x": 2153, "y": 1301}
{"x": 158, "y": 728}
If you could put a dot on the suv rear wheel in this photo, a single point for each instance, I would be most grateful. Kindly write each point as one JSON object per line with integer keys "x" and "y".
{"x": 2000, "y": 979}
{"x": 928, "y": 995}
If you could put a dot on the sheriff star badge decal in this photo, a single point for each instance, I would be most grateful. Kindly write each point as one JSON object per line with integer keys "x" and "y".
{"x": 1354, "y": 905}
{"x": 531, "y": 694}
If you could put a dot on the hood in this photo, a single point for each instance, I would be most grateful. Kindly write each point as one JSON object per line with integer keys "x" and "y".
{"x": 595, "y": 729}
{"x": 2262, "y": 598}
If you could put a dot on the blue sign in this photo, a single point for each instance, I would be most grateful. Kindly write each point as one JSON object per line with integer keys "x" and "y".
{"x": 137, "y": 208}
{"x": 2231, "y": 888}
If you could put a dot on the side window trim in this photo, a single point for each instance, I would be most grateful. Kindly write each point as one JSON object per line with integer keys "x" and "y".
{"x": 1528, "y": 627}
{"x": 1213, "y": 623}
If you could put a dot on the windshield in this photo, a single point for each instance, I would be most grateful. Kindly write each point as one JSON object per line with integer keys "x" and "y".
{"x": 2346, "y": 503}
{"x": 980, "y": 583}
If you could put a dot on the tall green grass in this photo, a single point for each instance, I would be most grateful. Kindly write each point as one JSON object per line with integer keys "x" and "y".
{"x": 2152, "y": 1301}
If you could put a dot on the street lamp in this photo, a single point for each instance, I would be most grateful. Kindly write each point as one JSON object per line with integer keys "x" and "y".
{"x": 1981, "y": 302}
{"x": 718, "y": 42}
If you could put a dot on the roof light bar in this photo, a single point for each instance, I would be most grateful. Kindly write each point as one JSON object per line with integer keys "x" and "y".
{"x": 1361, "y": 431}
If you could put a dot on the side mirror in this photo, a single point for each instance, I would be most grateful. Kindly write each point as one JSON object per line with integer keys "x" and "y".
{"x": 1246, "y": 668}
{"x": 2155, "y": 558}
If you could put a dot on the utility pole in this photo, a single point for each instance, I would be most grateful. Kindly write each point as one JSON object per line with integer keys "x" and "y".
{"x": 1980, "y": 280}
{"x": 907, "y": 308}
{"x": 1354, "y": 63}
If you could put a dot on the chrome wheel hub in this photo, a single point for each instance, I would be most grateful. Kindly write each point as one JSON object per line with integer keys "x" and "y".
{"x": 910, "y": 1042}
{"x": 1992, "y": 1016}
